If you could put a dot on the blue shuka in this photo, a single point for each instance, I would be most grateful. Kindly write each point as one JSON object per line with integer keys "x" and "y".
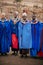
{"x": 0, "y": 34}
{"x": 6, "y": 40}
{"x": 25, "y": 37}
{"x": 14, "y": 32}
{"x": 35, "y": 39}
{"x": 14, "y": 28}
{"x": 41, "y": 37}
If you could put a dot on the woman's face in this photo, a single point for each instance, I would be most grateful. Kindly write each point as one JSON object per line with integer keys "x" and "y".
{"x": 15, "y": 15}
{"x": 34, "y": 17}
{"x": 24, "y": 17}
{"x": 3, "y": 16}
{"x": 7, "y": 16}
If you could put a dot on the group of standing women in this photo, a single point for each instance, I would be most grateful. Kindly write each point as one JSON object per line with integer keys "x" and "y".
{"x": 21, "y": 34}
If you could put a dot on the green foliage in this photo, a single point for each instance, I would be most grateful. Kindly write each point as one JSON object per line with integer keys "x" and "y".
{"x": 18, "y": 0}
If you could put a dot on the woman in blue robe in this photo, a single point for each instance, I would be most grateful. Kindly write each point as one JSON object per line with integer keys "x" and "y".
{"x": 40, "y": 53}
{"x": 0, "y": 34}
{"x": 41, "y": 38}
{"x": 14, "y": 27}
{"x": 35, "y": 37}
{"x": 6, "y": 40}
{"x": 14, "y": 32}
{"x": 25, "y": 37}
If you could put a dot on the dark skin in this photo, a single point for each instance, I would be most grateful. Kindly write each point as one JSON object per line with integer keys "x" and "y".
{"x": 3, "y": 17}
{"x": 15, "y": 15}
{"x": 34, "y": 19}
{"x": 24, "y": 18}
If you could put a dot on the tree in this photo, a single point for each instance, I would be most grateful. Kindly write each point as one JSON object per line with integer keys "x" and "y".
{"x": 18, "y": 0}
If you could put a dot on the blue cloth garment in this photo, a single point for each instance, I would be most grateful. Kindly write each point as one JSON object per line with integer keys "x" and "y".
{"x": 14, "y": 27}
{"x": 33, "y": 52}
{"x": 25, "y": 36}
{"x": 41, "y": 37}
{"x": 0, "y": 34}
{"x": 35, "y": 27}
{"x": 6, "y": 37}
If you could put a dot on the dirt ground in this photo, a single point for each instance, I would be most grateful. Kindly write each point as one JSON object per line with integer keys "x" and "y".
{"x": 16, "y": 60}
